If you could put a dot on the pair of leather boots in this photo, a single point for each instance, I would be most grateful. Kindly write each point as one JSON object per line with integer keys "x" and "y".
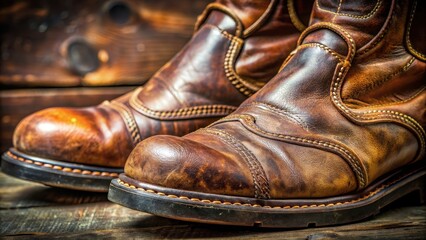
{"x": 307, "y": 126}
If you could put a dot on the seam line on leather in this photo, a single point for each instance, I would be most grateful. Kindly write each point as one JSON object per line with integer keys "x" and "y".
{"x": 293, "y": 118}
{"x": 182, "y": 113}
{"x": 366, "y": 16}
{"x": 323, "y": 47}
{"x": 261, "y": 184}
{"x": 337, "y": 12}
{"x": 371, "y": 45}
{"x": 336, "y": 87}
{"x": 376, "y": 114}
{"x": 129, "y": 120}
{"x": 239, "y": 83}
{"x": 297, "y": 23}
{"x": 335, "y": 28}
{"x": 369, "y": 87}
{"x": 261, "y": 20}
{"x": 63, "y": 169}
{"x": 333, "y": 204}
{"x": 350, "y": 158}
{"x": 407, "y": 38}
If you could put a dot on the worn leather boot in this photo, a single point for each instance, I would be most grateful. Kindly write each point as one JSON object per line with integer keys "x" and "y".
{"x": 236, "y": 48}
{"x": 335, "y": 136}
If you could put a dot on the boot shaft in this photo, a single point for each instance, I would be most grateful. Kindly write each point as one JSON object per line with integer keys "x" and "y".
{"x": 372, "y": 23}
{"x": 267, "y": 30}
{"x": 233, "y": 53}
{"x": 388, "y": 67}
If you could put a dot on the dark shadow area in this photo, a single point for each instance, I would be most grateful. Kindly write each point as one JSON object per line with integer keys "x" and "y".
{"x": 39, "y": 195}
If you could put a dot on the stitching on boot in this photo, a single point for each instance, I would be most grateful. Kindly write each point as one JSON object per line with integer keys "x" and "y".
{"x": 298, "y": 24}
{"x": 379, "y": 115}
{"x": 182, "y": 113}
{"x": 239, "y": 83}
{"x": 350, "y": 158}
{"x": 63, "y": 169}
{"x": 128, "y": 118}
{"x": 366, "y": 16}
{"x": 335, "y": 28}
{"x": 261, "y": 20}
{"x": 407, "y": 38}
{"x": 362, "y": 116}
{"x": 337, "y": 12}
{"x": 390, "y": 76}
{"x": 323, "y": 47}
{"x": 371, "y": 45}
{"x": 261, "y": 183}
{"x": 366, "y": 196}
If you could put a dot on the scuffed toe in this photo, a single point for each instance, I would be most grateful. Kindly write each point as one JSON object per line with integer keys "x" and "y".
{"x": 93, "y": 135}
{"x": 180, "y": 163}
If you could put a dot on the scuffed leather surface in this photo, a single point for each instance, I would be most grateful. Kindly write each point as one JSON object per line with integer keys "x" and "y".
{"x": 58, "y": 133}
{"x": 181, "y": 97}
{"x": 346, "y": 109}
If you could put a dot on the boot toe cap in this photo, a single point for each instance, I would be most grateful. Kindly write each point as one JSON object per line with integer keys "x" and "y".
{"x": 180, "y": 163}
{"x": 72, "y": 135}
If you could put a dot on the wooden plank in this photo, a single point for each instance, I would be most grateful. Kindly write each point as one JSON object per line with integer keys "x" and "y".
{"x": 104, "y": 220}
{"x": 16, "y": 193}
{"x": 37, "y": 40}
{"x": 73, "y": 218}
{"x": 15, "y": 104}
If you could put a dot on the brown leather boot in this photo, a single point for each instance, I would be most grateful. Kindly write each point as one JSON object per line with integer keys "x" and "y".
{"x": 237, "y": 47}
{"x": 335, "y": 136}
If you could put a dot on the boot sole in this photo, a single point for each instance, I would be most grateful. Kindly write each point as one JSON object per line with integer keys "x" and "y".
{"x": 56, "y": 173}
{"x": 294, "y": 213}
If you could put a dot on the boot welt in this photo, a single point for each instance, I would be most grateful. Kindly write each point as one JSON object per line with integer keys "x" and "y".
{"x": 57, "y": 173}
{"x": 285, "y": 213}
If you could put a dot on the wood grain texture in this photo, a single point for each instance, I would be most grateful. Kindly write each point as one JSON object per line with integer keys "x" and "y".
{"x": 28, "y": 212}
{"x": 16, "y": 194}
{"x": 15, "y": 104}
{"x": 119, "y": 41}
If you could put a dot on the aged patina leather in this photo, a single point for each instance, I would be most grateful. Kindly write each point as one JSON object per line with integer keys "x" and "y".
{"x": 236, "y": 48}
{"x": 347, "y": 109}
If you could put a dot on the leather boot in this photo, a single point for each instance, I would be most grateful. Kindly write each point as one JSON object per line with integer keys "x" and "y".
{"x": 335, "y": 136}
{"x": 236, "y": 48}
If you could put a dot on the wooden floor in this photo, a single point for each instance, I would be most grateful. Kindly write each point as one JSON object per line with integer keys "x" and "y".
{"x": 33, "y": 211}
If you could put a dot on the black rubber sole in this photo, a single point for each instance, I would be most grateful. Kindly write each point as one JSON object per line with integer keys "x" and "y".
{"x": 217, "y": 209}
{"x": 57, "y": 173}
